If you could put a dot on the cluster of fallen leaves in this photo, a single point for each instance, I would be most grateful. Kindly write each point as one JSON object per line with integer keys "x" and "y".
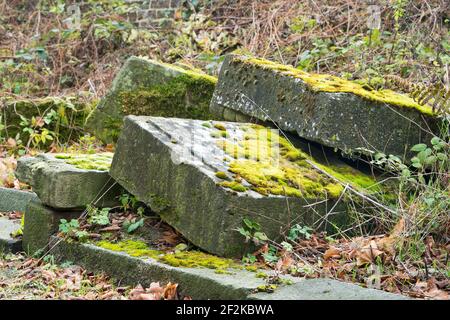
{"x": 28, "y": 278}
{"x": 156, "y": 292}
{"x": 7, "y": 178}
{"x": 372, "y": 261}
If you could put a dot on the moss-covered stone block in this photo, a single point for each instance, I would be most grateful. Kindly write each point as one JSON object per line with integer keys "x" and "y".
{"x": 67, "y": 181}
{"x": 322, "y": 108}
{"x": 41, "y": 222}
{"x": 147, "y": 87}
{"x": 204, "y": 182}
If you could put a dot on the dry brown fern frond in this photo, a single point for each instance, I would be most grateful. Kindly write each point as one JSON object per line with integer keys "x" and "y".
{"x": 436, "y": 95}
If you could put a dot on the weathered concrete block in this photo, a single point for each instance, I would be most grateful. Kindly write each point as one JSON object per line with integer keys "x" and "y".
{"x": 334, "y": 112}
{"x": 7, "y": 242}
{"x": 147, "y": 87}
{"x": 66, "y": 181}
{"x": 40, "y": 224}
{"x": 15, "y": 200}
{"x": 203, "y": 178}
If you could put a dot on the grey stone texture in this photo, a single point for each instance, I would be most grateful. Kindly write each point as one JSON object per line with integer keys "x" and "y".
{"x": 62, "y": 185}
{"x": 147, "y": 87}
{"x": 346, "y": 121}
{"x": 8, "y": 243}
{"x": 15, "y": 200}
{"x": 171, "y": 165}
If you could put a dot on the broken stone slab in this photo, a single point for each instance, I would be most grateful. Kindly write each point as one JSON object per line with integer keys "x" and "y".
{"x": 203, "y": 283}
{"x": 40, "y": 223}
{"x": 67, "y": 181}
{"x": 15, "y": 200}
{"x": 7, "y": 242}
{"x": 204, "y": 178}
{"x": 148, "y": 87}
{"x": 322, "y": 108}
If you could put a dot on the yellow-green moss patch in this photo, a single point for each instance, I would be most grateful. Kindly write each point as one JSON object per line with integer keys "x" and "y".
{"x": 188, "y": 259}
{"x": 272, "y": 165}
{"x": 221, "y": 175}
{"x": 131, "y": 247}
{"x": 98, "y": 161}
{"x": 233, "y": 185}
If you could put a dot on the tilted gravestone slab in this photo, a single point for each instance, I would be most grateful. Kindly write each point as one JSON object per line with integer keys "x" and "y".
{"x": 66, "y": 181}
{"x": 334, "y": 112}
{"x": 204, "y": 178}
{"x": 147, "y": 87}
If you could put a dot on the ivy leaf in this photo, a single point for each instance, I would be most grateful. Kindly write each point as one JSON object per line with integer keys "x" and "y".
{"x": 261, "y": 236}
{"x": 419, "y": 147}
{"x": 134, "y": 226}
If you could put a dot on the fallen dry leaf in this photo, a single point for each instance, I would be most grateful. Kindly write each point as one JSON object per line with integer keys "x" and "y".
{"x": 170, "y": 291}
{"x": 332, "y": 253}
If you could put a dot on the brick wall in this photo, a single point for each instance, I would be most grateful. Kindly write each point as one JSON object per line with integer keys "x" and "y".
{"x": 155, "y": 13}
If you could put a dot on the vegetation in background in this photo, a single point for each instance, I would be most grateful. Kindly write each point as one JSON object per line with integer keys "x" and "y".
{"x": 42, "y": 55}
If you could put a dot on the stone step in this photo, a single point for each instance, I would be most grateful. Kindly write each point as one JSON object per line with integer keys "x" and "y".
{"x": 7, "y": 242}
{"x": 204, "y": 178}
{"x": 322, "y": 108}
{"x": 205, "y": 283}
{"x": 68, "y": 181}
{"x": 15, "y": 200}
{"x": 148, "y": 87}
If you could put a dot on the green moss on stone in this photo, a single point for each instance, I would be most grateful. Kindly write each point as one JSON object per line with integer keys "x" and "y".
{"x": 251, "y": 268}
{"x": 233, "y": 185}
{"x": 221, "y": 175}
{"x": 183, "y": 96}
{"x": 272, "y": 165}
{"x": 261, "y": 275}
{"x": 187, "y": 259}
